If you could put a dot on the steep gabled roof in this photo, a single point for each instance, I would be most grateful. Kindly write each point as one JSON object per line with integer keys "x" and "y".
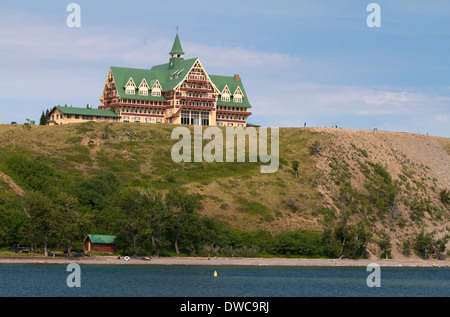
{"x": 122, "y": 75}
{"x": 169, "y": 76}
{"x": 174, "y": 72}
{"x": 232, "y": 84}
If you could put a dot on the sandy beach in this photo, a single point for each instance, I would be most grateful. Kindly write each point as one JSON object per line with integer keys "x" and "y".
{"x": 113, "y": 260}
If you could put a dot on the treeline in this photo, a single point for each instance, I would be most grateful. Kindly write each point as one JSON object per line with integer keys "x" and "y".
{"x": 58, "y": 210}
{"x": 144, "y": 221}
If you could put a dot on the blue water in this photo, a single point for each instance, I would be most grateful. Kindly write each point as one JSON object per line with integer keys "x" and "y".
{"x": 232, "y": 281}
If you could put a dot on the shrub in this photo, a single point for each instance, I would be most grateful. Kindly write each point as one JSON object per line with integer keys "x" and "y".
{"x": 444, "y": 195}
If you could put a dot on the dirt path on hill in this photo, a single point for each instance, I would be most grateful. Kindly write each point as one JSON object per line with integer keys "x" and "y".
{"x": 16, "y": 188}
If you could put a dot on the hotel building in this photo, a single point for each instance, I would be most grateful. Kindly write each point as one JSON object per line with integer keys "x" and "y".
{"x": 179, "y": 92}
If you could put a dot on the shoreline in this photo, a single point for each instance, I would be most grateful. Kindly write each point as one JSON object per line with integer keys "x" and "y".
{"x": 225, "y": 261}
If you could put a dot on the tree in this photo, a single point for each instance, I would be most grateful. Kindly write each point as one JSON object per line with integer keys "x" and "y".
{"x": 423, "y": 244}
{"x": 343, "y": 238}
{"x": 158, "y": 217}
{"x": 39, "y": 211}
{"x": 295, "y": 165}
{"x": 315, "y": 148}
{"x": 385, "y": 245}
{"x": 185, "y": 220}
{"x": 43, "y": 119}
{"x": 68, "y": 223}
{"x": 134, "y": 223}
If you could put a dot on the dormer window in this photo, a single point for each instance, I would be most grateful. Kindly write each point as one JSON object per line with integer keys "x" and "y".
{"x": 225, "y": 94}
{"x": 130, "y": 87}
{"x": 237, "y": 96}
{"x": 156, "y": 89}
{"x": 143, "y": 88}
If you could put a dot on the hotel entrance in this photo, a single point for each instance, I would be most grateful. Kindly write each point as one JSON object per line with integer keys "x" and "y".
{"x": 195, "y": 117}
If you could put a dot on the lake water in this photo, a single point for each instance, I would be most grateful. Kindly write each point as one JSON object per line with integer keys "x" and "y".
{"x": 39, "y": 280}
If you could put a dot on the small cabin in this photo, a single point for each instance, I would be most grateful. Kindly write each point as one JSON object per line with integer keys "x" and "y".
{"x": 101, "y": 243}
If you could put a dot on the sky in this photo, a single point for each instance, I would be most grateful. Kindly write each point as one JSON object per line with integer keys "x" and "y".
{"x": 314, "y": 62}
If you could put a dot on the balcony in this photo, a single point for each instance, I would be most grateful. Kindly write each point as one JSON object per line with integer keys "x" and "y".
{"x": 197, "y": 98}
{"x": 245, "y": 113}
{"x": 197, "y": 89}
{"x": 196, "y": 79}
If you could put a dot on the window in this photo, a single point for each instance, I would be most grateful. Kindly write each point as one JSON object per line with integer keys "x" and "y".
{"x": 148, "y": 120}
{"x": 99, "y": 118}
{"x": 225, "y": 97}
{"x": 184, "y": 117}
{"x": 137, "y": 119}
{"x": 69, "y": 116}
{"x": 77, "y": 116}
{"x": 129, "y": 90}
{"x": 106, "y": 119}
{"x": 126, "y": 119}
{"x": 195, "y": 120}
{"x": 237, "y": 98}
{"x": 130, "y": 87}
{"x": 143, "y": 88}
{"x": 205, "y": 118}
{"x": 156, "y": 89}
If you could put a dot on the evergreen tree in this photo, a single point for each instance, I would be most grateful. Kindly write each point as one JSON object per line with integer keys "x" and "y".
{"x": 43, "y": 119}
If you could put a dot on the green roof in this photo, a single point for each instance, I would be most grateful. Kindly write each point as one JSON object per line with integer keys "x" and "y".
{"x": 230, "y": 81}
{"x": 176, "y": 48}
{"x": 169, "y": 76}
{"x": 101, "y": 238}
{"x": 87, "y": 111}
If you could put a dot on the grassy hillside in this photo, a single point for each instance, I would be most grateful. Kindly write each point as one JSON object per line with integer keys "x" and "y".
{"x": 389, "y": 186}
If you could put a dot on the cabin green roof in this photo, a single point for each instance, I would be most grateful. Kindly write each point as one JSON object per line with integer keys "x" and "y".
{"x": 87, "y": 111}
{"x": 101, "y": 238}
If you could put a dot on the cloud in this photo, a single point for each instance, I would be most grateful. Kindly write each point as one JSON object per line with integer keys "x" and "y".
{"x": 65, "y": 64}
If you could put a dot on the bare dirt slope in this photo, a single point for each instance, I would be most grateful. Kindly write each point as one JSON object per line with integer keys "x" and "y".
{"x": 418, "y": 164}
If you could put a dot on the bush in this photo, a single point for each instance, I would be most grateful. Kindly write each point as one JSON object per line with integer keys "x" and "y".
{"x": 299, "y": 243}
{"x": 444, "y": 195}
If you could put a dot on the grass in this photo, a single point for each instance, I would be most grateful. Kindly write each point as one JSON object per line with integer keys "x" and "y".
{"x": 139, "y": 156}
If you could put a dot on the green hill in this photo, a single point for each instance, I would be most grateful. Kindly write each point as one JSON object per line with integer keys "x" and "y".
{"x": 368, "y": 193}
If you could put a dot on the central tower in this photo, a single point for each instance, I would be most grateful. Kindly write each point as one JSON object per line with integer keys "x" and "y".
{"x": 176, "y": 53}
